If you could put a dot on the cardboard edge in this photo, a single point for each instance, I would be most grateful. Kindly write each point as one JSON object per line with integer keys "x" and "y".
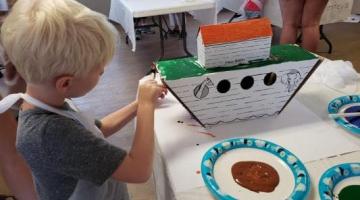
{"x": 180, "y": 101}
{"x": 178, "y": 98}
{"x": 317, "y": 64}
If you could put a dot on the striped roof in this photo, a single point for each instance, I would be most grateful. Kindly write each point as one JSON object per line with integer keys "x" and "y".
{"x": 236, "y": 31}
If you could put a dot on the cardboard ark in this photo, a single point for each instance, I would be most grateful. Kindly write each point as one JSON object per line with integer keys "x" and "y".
{"x": 243, "y": 92}
{"x": 230, "y": 44}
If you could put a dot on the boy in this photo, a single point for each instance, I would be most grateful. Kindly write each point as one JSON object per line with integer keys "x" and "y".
{"x": 60, "y": 48}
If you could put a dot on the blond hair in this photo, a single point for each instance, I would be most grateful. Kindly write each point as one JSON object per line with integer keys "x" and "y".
{"x": 48, "y": 38}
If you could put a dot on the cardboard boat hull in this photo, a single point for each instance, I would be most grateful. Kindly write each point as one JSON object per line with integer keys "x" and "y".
{"x": 237, "y": 95}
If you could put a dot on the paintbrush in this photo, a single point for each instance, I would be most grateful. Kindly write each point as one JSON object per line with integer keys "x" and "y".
{"x": 337, "y": 115}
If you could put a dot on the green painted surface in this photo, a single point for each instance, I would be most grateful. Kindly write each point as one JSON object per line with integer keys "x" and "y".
{"x": 351, "y": 192}
{"x": 188, "y": 67}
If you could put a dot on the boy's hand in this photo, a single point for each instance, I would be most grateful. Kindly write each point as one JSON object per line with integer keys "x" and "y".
{"x": 150, "y": 90}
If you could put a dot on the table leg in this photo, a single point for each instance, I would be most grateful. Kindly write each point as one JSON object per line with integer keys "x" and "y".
{"x": 161, "y": 39}
{"x": 184, "y": 34}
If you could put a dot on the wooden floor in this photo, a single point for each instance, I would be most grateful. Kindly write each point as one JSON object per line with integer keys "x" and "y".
{"x": 346, "y": 42}
{"x": 119, "y": 83}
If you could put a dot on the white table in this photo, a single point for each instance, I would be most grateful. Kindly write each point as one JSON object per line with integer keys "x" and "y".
{"x": 124, "y": 12}
{"x": 307, "y": 132}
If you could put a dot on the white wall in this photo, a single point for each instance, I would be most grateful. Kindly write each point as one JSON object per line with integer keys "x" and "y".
{"x": 101, "y": 6}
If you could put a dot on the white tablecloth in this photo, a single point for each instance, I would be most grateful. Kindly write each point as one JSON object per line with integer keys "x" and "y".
{"x": 301, "y": 128}
{"x": 124, "y": 12}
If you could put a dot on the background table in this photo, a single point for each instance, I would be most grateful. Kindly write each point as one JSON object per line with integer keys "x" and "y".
{"x": 303, "y": 128}
{"x": 124, "y": 12}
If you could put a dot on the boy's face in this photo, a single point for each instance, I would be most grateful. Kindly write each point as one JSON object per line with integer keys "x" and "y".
{"x": 82, "y": 85}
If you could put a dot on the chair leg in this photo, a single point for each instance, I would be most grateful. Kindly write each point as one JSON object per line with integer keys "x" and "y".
{"x": 323, "y": 36}
{"x": 298, "y": 39}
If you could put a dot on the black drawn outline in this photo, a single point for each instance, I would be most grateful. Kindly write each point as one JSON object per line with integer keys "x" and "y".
{"x": 202, "y": 90}
{"x": 291, "y": 80}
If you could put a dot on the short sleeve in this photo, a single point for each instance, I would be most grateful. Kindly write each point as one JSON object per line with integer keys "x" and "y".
{"x": 74, "y": 151}
{"x": 98, "y": 123}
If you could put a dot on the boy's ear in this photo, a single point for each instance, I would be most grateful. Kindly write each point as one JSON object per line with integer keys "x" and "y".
{"x": 63, "y": 83}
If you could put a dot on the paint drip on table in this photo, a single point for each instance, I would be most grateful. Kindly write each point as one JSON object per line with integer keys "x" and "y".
{"x": 255, "y": 176}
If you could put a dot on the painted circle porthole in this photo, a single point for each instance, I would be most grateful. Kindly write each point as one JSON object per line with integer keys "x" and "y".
{"x": 223, "y": 86}
{"x": 270, "y": 78}
{"x": 247, "y": 82}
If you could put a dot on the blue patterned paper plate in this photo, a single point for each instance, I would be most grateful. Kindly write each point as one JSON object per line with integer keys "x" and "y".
{"x": 335, "y": 175}
{"x": 296, "y": 168}
{"x": 346, "y": 104}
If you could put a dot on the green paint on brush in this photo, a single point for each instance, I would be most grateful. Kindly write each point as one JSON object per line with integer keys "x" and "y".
{"x": 189, "y": 67}
{"x": 351, "y": 192}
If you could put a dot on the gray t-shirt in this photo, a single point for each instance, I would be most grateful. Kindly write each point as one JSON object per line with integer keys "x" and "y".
{"x": 66, "y": 159}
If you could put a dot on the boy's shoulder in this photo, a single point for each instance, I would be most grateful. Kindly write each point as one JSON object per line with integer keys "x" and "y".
{"x": 39, "y": 121}
{"x": 40, "y": 130}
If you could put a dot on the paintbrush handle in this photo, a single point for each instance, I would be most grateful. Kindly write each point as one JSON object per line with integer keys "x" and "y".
{"x": 353, "y": 114}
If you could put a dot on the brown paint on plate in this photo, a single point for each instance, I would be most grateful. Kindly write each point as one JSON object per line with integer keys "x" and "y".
{"x": 255, "y": 176}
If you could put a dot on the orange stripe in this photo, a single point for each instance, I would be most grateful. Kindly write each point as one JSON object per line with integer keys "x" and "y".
{"x": 235, "y": 32}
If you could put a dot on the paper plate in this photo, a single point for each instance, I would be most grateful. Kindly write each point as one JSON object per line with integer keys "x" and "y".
{"x": 346, "y": 104}
{"x": 338, "y": 177}
{"x": 216, "y": 170}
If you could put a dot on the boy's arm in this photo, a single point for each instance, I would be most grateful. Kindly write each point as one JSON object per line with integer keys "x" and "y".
{"x": 118, "y": 119}
{"x": 137, "y": 165}
{"x": 12, "y": 164}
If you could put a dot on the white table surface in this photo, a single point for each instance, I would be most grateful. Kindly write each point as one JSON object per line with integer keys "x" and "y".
{"x": 307, "y": 132}
{"x": 161, "y": 7}
{"x": 124, "y": 11}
